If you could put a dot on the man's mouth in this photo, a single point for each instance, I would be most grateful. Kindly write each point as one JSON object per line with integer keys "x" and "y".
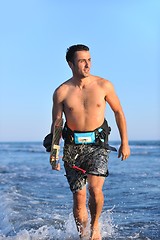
{"x": 86, "y": 69}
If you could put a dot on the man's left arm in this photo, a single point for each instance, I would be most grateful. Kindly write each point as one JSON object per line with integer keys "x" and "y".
{"x": 124, "y": 149}
{"x": 113, "y": 101}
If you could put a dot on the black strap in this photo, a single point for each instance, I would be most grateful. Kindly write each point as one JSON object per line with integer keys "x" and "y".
{"x": 101, "y": 134}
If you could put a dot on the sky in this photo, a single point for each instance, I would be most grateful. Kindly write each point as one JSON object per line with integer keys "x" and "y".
{"x": 123, "y": 37}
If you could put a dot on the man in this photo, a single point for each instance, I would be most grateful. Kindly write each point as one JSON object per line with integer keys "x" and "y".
{"x": 83, "y": 99}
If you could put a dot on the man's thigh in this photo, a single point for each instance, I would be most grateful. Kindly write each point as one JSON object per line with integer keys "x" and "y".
{"x": 95, "y": 181}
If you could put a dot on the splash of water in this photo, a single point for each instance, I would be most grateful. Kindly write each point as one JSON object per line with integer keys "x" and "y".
{"x": 67, "y": 231}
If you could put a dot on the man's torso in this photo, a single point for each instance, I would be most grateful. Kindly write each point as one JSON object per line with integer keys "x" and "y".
{"x": 84, "y": 108}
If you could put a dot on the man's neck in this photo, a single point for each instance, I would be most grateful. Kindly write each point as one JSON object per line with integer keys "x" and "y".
{"x": 81, "y": 82}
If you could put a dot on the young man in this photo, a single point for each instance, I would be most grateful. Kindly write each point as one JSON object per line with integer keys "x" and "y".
{"x": 83, "y": 99}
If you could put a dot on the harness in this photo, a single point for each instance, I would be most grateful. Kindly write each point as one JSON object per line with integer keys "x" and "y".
{"x": 98, "y": 137}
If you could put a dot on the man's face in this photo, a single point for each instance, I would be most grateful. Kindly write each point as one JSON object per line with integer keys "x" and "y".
{"x": 82, "y": 64}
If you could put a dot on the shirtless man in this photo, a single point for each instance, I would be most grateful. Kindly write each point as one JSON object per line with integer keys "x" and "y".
{"x": 83, "y": 99}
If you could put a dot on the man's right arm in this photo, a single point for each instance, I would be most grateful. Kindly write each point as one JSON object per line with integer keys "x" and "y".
{"x": 56, "y": 129}
{"x": 57, "y": 108}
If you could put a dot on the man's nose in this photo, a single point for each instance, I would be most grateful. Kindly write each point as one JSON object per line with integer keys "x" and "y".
{"x": 86, "y": 63}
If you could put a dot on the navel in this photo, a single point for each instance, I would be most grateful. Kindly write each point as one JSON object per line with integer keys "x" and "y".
{"x": 70, "y": 109}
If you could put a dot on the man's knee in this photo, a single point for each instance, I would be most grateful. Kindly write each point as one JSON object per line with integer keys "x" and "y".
{"x": 95, "y": 192}
{"x": 79, "y": 197}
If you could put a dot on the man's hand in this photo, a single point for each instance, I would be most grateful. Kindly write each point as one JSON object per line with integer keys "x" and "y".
{"x": 54, "y": 157}
{"x": 124, "y": 151}
{"x": 55, "y": 163}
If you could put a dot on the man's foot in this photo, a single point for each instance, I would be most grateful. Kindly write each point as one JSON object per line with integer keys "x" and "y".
{"x": 84, "y": 234}
{"x": 95, "y": 234}
{"x": 85, "y": 238}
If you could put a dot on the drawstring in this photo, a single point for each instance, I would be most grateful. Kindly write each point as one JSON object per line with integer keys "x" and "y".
{"x": 79, "y": 169}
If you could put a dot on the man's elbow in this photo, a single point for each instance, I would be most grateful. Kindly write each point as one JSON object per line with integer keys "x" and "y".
{"x": 119, "y": 114}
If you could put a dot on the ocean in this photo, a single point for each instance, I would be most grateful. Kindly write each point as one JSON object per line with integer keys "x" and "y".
{"x": 36, "y": 203}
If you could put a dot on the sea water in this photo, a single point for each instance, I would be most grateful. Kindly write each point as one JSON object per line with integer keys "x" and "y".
{"x": 36, "y": 203}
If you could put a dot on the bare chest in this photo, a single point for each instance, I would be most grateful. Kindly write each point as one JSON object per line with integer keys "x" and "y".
{"x": 85, "y": 99}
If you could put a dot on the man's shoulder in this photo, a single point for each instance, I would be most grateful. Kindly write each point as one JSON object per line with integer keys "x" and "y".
{"x": 102, "y": 81}
{"x": 104, "y": 85}
{"x": 62, "y": 90}
{"x": 64, "y": 86}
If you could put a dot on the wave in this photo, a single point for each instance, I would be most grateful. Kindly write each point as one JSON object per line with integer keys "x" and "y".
{"x": 37, "y": 147}
{"x": 69, "y": 232}
{"x": 22, "y": 147}
{"x": 55, "y": 228}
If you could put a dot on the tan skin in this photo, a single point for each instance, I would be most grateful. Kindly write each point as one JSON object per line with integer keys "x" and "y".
{"x": 83, "y": 100}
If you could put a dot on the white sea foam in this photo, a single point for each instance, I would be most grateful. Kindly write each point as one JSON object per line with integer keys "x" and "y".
{"x": 66, "y": 232}
{"x": 5, "y": 214}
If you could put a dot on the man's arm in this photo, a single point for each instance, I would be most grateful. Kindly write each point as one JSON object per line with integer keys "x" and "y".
{"x": 57, "y": 108}
{"x": 56, "y": 129}
{"x": 113, "y": 101}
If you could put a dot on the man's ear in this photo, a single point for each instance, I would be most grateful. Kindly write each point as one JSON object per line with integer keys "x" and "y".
{"x": 70, "y": 64}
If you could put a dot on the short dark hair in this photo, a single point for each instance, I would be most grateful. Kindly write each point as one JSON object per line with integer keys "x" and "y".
{"x": 71, "y": 51}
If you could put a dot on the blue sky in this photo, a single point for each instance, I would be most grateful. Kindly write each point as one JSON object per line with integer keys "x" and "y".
{"x": 123, "y": 37}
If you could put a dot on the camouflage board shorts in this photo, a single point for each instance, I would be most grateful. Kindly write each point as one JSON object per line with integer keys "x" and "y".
{"x": 93, "y": 159}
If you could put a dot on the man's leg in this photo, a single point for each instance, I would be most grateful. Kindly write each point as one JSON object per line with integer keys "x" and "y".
{"x": 80, "y": 211}
{"x": 96, "y": 201}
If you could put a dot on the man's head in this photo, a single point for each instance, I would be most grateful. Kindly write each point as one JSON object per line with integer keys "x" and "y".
{"x": 70, "y": 54}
